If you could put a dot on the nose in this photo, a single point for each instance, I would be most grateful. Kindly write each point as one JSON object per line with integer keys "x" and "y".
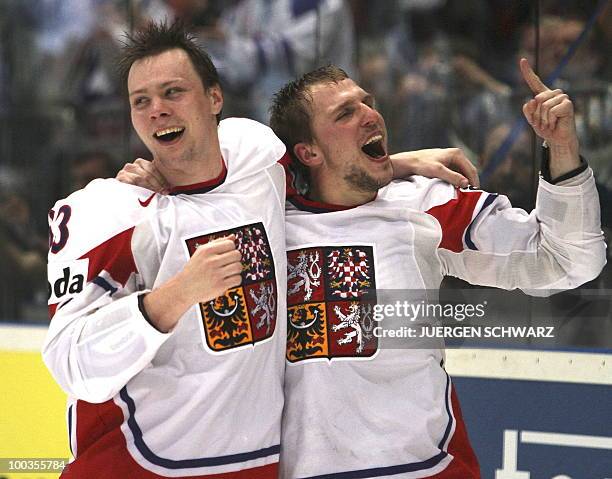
{"x": 158, "y": 109}
{"x": 370, "y": 115}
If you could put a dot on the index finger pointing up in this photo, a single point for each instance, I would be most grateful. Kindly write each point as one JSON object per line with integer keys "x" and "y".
{"x": 531, "y": 78}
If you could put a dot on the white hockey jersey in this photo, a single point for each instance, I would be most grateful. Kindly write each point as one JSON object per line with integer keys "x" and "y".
{"x": 356, "y": 408}
{"x": 206, "y": 398}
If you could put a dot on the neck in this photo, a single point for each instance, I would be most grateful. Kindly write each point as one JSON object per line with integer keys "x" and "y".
{"x": 336, "y": 192}
{"x": 195, "y": 170}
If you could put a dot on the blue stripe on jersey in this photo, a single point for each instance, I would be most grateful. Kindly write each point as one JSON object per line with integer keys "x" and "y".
{"x": 185, "y": 463}
{"x": 70, "y": 430}
{"x": 105, "y": 285}
{"x": 385, "y": 471}
{"x": 401, "y": 468}
{"x": 468, "y": 235}
{"x": 64, "y": 303}
{"x": 450, "y": 417}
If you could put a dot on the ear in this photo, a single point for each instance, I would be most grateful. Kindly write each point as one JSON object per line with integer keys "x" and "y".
{"x": 216, "y": 99}
{"x": 307, "y": 154}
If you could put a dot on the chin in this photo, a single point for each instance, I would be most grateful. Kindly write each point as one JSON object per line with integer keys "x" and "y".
{"x": 384, "y": 181}
{"x": 370, "y": 183}
{"x": 385, "y": 177}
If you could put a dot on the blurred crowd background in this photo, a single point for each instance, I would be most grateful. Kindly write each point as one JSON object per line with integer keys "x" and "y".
{"x": 444, "y": 73}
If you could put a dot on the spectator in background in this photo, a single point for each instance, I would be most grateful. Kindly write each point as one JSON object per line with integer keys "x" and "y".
{"x": 428, "y": 63}
{"x": 199, "y": 13}
{"x": 515, "y": 172}
{"x": 259, "y": 45}
{"x": 419, "y": 54}
{"x": 81, "y": 86}
{"x": 23, "y": 252}
{"x": 88, "y": 166}
{"x": 54, "y": 28}
{"x": 582, "y": 77}
{"x": 92, "y": 74}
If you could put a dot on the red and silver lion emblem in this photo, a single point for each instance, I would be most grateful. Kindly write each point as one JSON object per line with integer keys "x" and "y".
{"x": 330, "y": 292}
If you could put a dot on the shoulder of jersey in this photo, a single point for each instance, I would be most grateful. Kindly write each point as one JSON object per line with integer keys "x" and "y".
{"x": 423, "y": 192}
{"x": 248, "y": 147}
{"x": 101, "y": 210}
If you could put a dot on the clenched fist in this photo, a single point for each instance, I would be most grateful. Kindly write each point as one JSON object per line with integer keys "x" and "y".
{"x": 213, "y": 269}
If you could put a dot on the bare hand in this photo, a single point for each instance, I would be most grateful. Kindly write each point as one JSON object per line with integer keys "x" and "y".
{"x": 143, "y": 173}
{"x": 213, "y": 269}
{"x": 550, "y": 113}
{"x": 448, "y": 164}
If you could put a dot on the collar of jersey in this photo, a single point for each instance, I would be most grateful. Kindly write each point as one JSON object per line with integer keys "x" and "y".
{"x": 303, "y": 203}
{"x": 300, "y": 201}
{"x": 199, "y": 188}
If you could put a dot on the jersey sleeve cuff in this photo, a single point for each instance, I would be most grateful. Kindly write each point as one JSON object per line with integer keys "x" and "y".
{"x": 545, "y": 168}
{"x": 149, "y": 331}
{"x": 571, "y": 186}
{"x": 577, "y": 179}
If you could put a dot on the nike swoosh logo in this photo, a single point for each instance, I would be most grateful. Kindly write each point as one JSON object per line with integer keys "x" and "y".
{"x": 146, "y": 202}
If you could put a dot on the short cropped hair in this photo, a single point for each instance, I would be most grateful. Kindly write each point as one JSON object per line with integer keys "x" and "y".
{"x": 156, "y": 38}
{"x": 291, "y": 110}
{"x": 291, "y": 113}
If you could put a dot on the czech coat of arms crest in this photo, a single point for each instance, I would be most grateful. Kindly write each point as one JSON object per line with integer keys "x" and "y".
{"x": 330, "y": 292}
{"x": 246, "y": 314}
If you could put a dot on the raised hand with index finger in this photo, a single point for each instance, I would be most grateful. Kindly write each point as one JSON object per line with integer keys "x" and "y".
{"x": 551, "y": 115}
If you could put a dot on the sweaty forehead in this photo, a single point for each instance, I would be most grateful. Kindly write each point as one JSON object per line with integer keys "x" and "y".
{"x": 159, "y": 69}
{"x": 326, "y": 97}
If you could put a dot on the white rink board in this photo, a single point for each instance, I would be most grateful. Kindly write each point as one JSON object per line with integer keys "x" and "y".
{"x": 531, "y": 365}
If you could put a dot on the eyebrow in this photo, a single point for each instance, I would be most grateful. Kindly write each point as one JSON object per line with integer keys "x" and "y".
{"x": 367, "y": 97}
{"x": 163, "y": 85}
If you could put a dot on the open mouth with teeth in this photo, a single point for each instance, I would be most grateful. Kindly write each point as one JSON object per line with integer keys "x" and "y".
{"x": 374, "y": 148}
{"x": 169, "y": 134}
